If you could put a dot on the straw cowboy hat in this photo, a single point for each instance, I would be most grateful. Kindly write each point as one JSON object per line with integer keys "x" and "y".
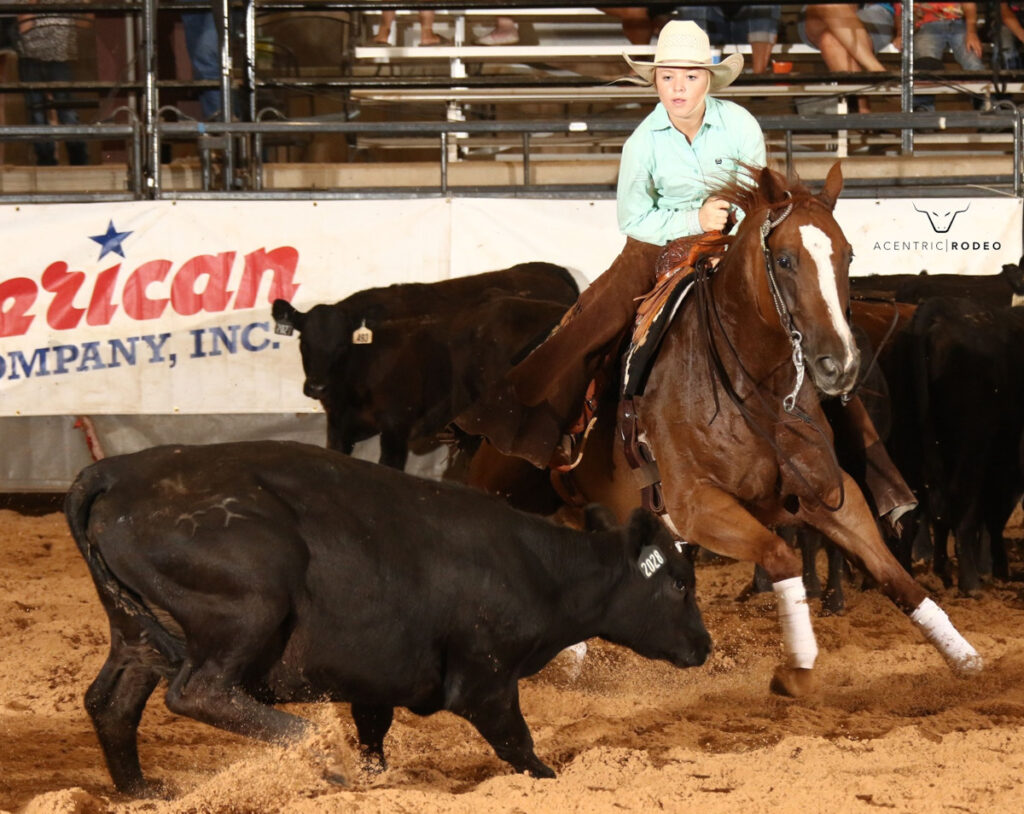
{"x": 683, "y": 44}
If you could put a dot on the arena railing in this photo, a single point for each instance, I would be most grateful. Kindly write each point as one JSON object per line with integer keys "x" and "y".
{"x": 446, "y": 132}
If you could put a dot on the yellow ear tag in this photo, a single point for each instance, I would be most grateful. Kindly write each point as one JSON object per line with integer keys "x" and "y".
{"x": 362, "y": 335}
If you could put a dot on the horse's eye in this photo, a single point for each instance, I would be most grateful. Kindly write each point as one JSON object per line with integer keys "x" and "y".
{"x": 783, "y": 262}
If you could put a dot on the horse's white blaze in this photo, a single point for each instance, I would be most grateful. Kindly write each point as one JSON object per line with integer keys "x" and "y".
{"x": 819, "y": 247}
{"x": 795, "y": 619}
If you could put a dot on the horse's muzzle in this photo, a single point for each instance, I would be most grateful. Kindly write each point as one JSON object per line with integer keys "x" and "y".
{"x": 835, "y": 376}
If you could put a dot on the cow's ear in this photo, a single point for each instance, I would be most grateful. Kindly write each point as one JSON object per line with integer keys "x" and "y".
{"x": 598, "y": 518}
{"x": 286, "y": 317}
{"x": 833, "y": 186}
{"x": 644, "y": 529}
{"x": 1015, "y": 276}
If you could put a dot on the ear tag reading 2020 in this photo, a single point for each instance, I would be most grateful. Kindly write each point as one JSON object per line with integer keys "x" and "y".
{"x": 362, "y": 335}
{"x": 651, "y": 559}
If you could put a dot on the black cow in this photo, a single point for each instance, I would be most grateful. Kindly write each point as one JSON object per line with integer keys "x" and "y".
{"x": 968, "y": 375}
{"x": 249, "y": 574}
{"x": 432, "y": 349}
{"x": 993, "y": 289}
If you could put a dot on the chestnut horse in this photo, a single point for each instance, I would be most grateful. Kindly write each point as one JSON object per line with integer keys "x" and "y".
{"x": 737, "y": 429}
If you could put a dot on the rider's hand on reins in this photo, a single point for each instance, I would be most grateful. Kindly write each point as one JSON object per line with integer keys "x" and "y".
{"x": 713, "y": 215}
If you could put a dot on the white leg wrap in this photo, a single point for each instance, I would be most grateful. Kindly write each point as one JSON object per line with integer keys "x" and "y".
{"x": 575, "y": 653}
{"x": 937, "y": 629}
{"x": 795, "y": 618}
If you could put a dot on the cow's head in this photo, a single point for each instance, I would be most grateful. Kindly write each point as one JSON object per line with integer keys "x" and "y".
{"x": 941, "y": 218}
{"x": 654, "y": 609}
{"x": 1014, "y": 275}
{"x": 325, "y": 335}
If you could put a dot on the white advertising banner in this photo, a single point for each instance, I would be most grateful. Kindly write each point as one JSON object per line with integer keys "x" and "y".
{"x": 933, "y": 235}
{"x": 164, "y": 307}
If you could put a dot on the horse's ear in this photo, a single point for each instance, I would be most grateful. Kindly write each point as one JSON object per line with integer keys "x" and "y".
{"x": 833, "y": 186}
{"x": 772, "y": 185}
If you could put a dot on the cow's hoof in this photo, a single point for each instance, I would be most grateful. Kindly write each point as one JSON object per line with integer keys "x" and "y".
{"x": 794, "y": 682}
{"x": 541, "y": 771}
{"x": 149, "y": 790}
{"x": 374, "y": 763}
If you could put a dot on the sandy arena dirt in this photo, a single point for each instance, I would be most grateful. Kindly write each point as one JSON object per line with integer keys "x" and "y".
{"x": 890, "y": 729}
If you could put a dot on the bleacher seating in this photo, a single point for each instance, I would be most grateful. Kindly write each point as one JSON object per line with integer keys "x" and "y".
{"x": 584, "y": 42}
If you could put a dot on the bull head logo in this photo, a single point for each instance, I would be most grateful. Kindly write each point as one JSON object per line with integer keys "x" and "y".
{"x": 941, "y": 219}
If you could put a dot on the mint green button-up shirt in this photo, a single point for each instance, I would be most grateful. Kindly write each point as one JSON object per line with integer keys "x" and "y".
{"x": 664, "y": 179}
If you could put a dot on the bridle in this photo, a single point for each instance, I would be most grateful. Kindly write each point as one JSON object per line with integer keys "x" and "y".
{"x": 789, "y": 404}
{"x": 785, "y": 317}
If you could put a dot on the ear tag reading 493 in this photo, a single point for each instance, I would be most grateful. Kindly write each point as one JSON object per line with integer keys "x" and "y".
{"x": 362, "y": 335}
{"x": 651, "y": 559}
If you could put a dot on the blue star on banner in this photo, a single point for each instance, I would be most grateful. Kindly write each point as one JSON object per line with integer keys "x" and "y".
{"x": 111, "y": 241}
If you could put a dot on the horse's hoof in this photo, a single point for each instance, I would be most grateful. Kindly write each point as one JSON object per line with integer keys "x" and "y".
{"x": 832, "y": 605}
{"x": 969, "y": 664}
{"x": 333, "y": 775}
{"x": 795, "y": 682}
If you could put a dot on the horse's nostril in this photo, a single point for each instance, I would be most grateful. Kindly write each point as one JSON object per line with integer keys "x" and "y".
{"x": 827, "y": 367}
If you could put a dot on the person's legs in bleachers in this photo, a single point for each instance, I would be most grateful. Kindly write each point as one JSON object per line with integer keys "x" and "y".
{"x": 762, "y": 31}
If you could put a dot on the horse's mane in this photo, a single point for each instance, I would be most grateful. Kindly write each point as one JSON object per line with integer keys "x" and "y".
{"x": 753, "y": 189}
{"x": 757, "y": 191}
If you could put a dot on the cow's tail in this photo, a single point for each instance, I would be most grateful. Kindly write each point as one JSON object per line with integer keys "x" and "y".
{"x": 91, "y": 484}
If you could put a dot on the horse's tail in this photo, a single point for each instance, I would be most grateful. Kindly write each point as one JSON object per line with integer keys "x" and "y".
{"x": 91, "y": 484}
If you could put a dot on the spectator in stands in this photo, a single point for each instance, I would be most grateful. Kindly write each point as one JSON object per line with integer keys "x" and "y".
{"x": 942, "y": 26}
{"x": 879, "y": 20}
{"x": 202, "y": 41}
{"x": 839, "y": 34}
{"x": 757, "y": 25}
{"x": 47, "y": 46}
{"x": 845, "y": 43}
{"x": 690, "y": 143}
{"x": 427, "y": 35}
{"x": 506, "y": 32}
{"x": 953, "y": 26}
{"x": 8, "y": 45}
{"x": 203, "y": 46}
{"x": 638, "y": 23}
{"x": 1010, "y": 36}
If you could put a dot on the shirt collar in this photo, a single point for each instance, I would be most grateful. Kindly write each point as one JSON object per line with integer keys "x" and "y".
{"x": 712, "y": 115}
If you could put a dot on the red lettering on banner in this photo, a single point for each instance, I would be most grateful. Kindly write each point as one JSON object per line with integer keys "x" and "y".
{"x": 19, "y": 295}
{"x": 101, "y": 306}
{"x": 136, "y": 304}
{"x": 282, "y": 262}
{"x": 22, "y": 291}
{"x": 215, "y": 296}
{"x": 62, "y": 314}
